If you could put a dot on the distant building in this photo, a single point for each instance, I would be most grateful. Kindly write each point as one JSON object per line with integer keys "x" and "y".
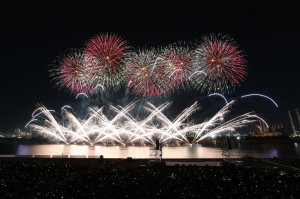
{"x": 269, "y": 134}
{"x": 277, "y": 133}
{"x": 258, "y": 134}
{"x": 236, "y": 134}
{"x": 22, "y": 134}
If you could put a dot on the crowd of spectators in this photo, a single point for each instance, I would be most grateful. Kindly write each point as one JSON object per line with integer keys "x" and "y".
{"x": 229, "y": 183}
{"x": 31, "y": 180}
{"x": 289, "y": 162}
{"x": 23, "y": 178}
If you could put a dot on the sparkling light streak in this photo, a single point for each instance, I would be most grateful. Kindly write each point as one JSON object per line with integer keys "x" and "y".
{"x": 196, "y": 73}
{"x": 30, "y": 122}
{"x": 119, "y": 126}
{"x": 219, "y": 95}
{"x": 174, "y": 72}
{"x": 260, "y": 119}
{"x": 100, "y": 86}
{"x": 34, "y": 116}
{"x": 66, "y": 106}
{"x": 155, "y": 64}
{"x": 129, "y": 83}
{"x": 260, "y": 96}
{"x": 81, "y": 94}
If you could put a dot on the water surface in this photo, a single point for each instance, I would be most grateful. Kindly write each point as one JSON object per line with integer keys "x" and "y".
{"x": 207, "y": 150}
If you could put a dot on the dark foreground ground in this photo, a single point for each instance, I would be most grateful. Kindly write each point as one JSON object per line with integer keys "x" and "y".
{"x": 89, "y": 162}
{"x": 119, "y": 178}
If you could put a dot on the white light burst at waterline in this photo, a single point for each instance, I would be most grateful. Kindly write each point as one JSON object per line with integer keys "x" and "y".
{"x": 119, "y": 126}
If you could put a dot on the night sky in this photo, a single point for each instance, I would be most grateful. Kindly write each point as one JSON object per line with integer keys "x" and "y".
{"x": 33, "y": 35}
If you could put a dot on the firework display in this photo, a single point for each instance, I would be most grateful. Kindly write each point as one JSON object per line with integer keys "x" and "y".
{"x": 74, "y": 72}
{"x": 215, "y": 64}
{"x": 218, "y": 94}
{"x": 108, "y": 54}
{"x": 260, "y": 95}
{"x": 121, "y": 127}
{"x": 146, "y": 74}
{"x": 178, "y": 64}
{"x": 219, "y": 57}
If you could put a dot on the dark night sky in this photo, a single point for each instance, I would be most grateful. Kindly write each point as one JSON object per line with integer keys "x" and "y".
{"x": 32, "y": 35}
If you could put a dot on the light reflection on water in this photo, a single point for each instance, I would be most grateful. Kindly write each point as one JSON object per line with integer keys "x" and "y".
{"x": 260, "y": 150}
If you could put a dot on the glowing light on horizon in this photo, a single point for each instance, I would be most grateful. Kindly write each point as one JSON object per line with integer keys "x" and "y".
{"x": 260, "y": 96}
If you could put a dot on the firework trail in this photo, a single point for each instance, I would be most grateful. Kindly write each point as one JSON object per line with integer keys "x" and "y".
{"x": 216, "y": 124}
{"x": 99, "y": 85}
{"x": 178, "y": 64}
{"x": 177, "y": 70}
{"x": 119, "y": 126}
{"x": 196, "y": 73}
{"x": 260, "y": 119}
{"x": 74, "y": 72}
{"x": 219, "y": 95}
{"x": 260, "y": 96}
{"x": 129, "y": 83}
{"x": 108, "y": 53}
{"x": 154, "y": 65}
{"x": 145, "y": 79}
{"x": 81, "y": 94}
{"x": 219, "y": 57}
{"x": 66, "y": 106}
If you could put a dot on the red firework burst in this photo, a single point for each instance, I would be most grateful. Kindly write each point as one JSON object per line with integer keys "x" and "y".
{"x": 109, "y": 53}
{"x": 223, "y": 63}
{"x": 74, "y": 73}
{"x": 145, "y": 74}
{"x": 179, "y": 64}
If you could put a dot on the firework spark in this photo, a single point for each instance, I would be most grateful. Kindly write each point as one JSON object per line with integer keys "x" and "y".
{"x": 121, "y": 127}
{"x": 81, "y": 94}
{"x": 99, "y": 85}
{"x": 107, "y": 60}
{"x": 74, "y": 72}
{"x": 66, "y": 106}
{"x": 145, "y": 79}
{"x": 260, "y": 96}
{"x": 108, "y": 53}
{"x": 219, "y": 57}
{"x": 196, "y": 73}
{"x": 178, "y": 64}
{"x": 219, "y": 95}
